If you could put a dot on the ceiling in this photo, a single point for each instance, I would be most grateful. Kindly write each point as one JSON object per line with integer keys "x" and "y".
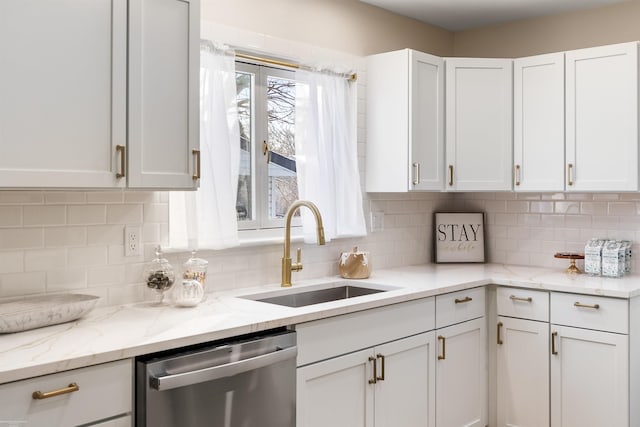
{"x": 457, "y": 15}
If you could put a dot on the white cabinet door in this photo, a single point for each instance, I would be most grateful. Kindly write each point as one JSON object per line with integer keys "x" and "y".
{"x": 336, "y": 392}
{"x": 163, "y": 93}
{"x": 62, "y": 92}
{"x": 406, "y": 394}
{"x": 405, "y": 122}
{"x": 589, "y": 378}
{"x": 461, "y": 375}
{"x": 538, "y": 123}
{"x": 523, "y": 373}
{"x": 602, "y": 118}
{"x": 479, "y": 139}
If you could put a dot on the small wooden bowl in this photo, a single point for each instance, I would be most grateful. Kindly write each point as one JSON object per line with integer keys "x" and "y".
{"x": 572, "y": 257}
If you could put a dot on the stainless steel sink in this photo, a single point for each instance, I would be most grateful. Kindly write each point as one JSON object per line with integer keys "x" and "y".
{"x": 325, "y": 293}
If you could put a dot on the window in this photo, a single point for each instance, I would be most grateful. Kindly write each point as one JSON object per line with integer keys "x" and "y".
{"x": 267, "y": 183}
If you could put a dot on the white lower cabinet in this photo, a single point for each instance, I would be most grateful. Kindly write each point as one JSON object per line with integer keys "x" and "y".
{"x": 99, "y": 395}
{"x": 461, "y": 375}
{"x": 523, "y": 373}
{"x": 369, "y": 368}
{"x": 388, "y": 385}
{"x": 574, "y": 369}
{"x": 589, "y": 378}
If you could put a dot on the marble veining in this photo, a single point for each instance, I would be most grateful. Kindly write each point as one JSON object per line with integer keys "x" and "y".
{"x": 113, "y": 333}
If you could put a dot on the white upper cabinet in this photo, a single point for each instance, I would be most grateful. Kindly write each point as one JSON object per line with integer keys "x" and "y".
{"x": 602, "y": 118}
{"x": 163, "y": 93}
{"x": 538, "y": 123}
{"x": 70, "y": 116}
{"x": 479, "y": 109}
{"x": 62, "y": 93}
{"x": 405, "y": 122}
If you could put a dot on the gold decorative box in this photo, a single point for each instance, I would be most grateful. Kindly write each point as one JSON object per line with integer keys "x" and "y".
{"x": 355, "y": 264}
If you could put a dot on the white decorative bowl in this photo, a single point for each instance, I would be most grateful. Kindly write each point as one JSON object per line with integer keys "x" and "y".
{"x": 22, "y": 314}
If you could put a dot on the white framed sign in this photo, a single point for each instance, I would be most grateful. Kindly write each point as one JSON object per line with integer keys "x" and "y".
{"x": 458, "y": 237}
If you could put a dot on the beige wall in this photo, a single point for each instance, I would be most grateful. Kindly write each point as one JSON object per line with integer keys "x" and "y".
{"x": 343, "y": 25}
{"x": 593, "y": 27}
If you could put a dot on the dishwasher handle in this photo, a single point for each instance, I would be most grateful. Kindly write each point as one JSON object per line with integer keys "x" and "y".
{"x": 168, "y": 382}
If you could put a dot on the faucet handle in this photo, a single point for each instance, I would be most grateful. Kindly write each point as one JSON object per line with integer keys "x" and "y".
{"x": 298, "y": 265}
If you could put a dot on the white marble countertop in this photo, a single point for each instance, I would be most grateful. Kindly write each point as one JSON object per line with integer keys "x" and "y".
{"x": 113, "y": 333}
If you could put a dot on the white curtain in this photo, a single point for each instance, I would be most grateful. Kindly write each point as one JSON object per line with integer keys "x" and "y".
{"x": 207, "y": 218}
{"x": 327, "y": 156}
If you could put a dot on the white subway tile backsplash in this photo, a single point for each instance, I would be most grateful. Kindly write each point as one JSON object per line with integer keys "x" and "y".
{"x": 44, "y": 260}
{"x": 87, "y": 256}
{"x": 86, "y": 214}
{"x": 622, "y": 208}
{"x": 567, "y": 207}
{"x": 156, "y": 212}
{"x": 124, "y": 214}
{"x": 105, "y": 197}
{"x": 21, "y": 238}
{"x": 44, "y": 215}
{"x": 64, "y": 197}
{"x": 66, "y": 280}
{"x": 11, "y": 262}
{"x": 10, "y": 216}
{"x": 65, "y": 236}
{"x": 517, "y": 206}
{"x": 109, "y": 275}
{"x": 21, "y": 197}
{"x": 22, "y": 284}
{"x": 542, "y": 207}
{"x": 105, "y": 235}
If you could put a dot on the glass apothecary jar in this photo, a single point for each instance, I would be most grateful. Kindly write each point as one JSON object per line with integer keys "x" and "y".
{"x": 195, "y": 269}
{"x": 159, "y": 275}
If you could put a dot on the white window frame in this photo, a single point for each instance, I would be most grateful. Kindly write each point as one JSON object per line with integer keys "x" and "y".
{"x": 259, "y": 227}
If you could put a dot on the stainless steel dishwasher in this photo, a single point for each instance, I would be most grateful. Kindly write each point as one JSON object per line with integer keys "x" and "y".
{"x": 249, "y": 382}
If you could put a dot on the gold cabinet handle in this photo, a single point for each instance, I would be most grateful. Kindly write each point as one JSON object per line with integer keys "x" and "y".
{"x": 499, "y": 328}
{"x": 196, "y": 154}
{"x": 47, "y": 394}
{"x": 416, "y": 173}
{"x": 381, "y": 357}
{"x": 569, "y": 170}
{"x": 553, "y": 343}
{"x": 123, "y": 161}
{"x": 450, "y": 175}
{"x": 594, "y": 306}
{"x": 444, "y": 348}
{"x": 375, "y": 370}
{"x": 463, "y": 300}
{"x": 517, "y": 175}
{"x": 515, "y": 298}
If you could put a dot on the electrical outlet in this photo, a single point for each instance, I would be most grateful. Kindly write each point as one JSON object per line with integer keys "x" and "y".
{"x": 377, "y": 221}
{"x": 132, "y": 241}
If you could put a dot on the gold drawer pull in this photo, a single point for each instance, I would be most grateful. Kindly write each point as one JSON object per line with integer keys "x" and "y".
{"x": 578, "y": 304}
{"x": 463, "y": 300}
{"x": 381, "y": 357}
{"x": 444, "y": 348}
{"x": 120, "y": 149}
{"x": 416, "y": 173}
{"x": 450, "y": 175}
{"x": 196, "y": 153}
{"x": 569, "y": 174}
{"x": 375, "y": 370}
{"x": 553, "y": 343}
{"x": 47, "y": 394}
{"x": 517, "y": 175}
{"x": 515, "y": 298}
{"x": 498, "y": 333}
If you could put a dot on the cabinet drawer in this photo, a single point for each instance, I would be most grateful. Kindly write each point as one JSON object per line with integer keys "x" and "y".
{"x": 326, "y": 338}
{"x": 459, "y": 306}
{"x": 589, "y": 312}
{"x": 103, "y": 391}
{"x": 523, "y": 303}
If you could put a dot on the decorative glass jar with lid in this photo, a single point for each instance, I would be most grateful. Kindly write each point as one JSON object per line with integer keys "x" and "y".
{"x": 159, "y": 275}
